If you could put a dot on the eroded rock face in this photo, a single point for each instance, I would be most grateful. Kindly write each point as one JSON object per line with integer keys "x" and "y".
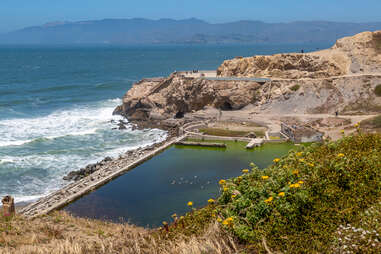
{"x": 175, "y": 96}
{"x": 347, "y": 95}
{"x": 342, "y": 79}
{"x": 350, "y": 55}
{"x": 281, "y": 66}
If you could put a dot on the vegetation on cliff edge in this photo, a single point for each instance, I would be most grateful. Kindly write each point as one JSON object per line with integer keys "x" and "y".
{"x": 323, "y": 198}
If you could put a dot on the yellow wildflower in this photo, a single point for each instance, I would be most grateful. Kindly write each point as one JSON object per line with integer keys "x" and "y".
{"x": 165, "y": 223}
{"x": 340, "y": 155}
{"x": 265, "y": 177}
{"x": 300, "y": 182}
{"x": 342, "y": 131}
{"x": 356, "y": 125}
{"x": 222, "y": 181}
{"x": 276, "y": 160}
{"x": 234, "y": 196}
{"x": 299, "y": 154}
{"x": 219, "y": 219}
{"x": 210, "y": 201}
{"x": 228, "y": 221}
{"x": 281, "y": 194}
{"x": 225, "y": 189}
{"x": 301, "y": 160}
{"x": 269, "y": 200}
{"x": 190, "y": 203}
{"x": 311, "y": 164}
{"x": 174, "y": 215}
{"x": 245, "y": 171}
{"x": 295, "y": 172}
{"x": 295, "y": 185}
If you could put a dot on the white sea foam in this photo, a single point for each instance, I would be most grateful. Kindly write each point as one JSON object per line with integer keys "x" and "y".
{"x": 78, "y": 121}
{"x": 36, "y": 173}
{"x": 3, "y": 161}
{"x": 14, "y": 142}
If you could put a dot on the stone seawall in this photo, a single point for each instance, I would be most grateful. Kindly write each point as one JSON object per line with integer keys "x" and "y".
{"x": 107, "y": 173}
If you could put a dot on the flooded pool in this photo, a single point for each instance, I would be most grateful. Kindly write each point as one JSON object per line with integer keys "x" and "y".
{"x": 150, "y": 193}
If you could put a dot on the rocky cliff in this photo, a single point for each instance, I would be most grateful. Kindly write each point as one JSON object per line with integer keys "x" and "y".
{"x": 350, "y": 55}
{"x": 342, "y": 79}
{"x": 172, "y": 97}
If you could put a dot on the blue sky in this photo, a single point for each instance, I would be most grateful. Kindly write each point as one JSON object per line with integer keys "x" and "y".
{"x": 15, "y": 14}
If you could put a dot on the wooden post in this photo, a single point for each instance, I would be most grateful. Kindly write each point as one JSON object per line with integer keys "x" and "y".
{"x": 8, "y": 206}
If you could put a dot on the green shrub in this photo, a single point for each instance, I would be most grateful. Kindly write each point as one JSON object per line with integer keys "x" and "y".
{"x": 377, "y": 90}
{"x": 295, "y": 88}
{"x": 297, "y": 204}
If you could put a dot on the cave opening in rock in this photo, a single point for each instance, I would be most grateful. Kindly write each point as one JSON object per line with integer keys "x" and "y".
{"x": 179, "y": 114}
{"x": 226, "y": 106}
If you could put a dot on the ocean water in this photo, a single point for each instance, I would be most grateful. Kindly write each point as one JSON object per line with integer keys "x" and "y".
{"x": 56, "y": 105}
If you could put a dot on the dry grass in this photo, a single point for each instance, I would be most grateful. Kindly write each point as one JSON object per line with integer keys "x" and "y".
{"x": 61, "y": 233}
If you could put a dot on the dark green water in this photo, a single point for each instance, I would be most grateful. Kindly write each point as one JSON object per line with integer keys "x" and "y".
{"x": 153, "y": 191}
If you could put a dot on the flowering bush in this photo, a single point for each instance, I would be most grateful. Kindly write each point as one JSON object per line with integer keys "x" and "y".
{"x": 299, "y": 202}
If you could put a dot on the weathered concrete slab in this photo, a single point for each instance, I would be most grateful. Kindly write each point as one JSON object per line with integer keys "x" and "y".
{"x": 204, "y": 144}
{"x": 255, "y": 142}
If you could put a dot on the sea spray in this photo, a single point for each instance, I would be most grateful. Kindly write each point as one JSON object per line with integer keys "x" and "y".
{"x": 37, "y": 152}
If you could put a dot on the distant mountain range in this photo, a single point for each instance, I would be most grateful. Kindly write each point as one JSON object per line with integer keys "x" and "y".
{"x": 194, "y": 31}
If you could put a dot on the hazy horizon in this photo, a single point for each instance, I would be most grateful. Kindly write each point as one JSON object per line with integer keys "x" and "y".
{"x": 58, "y": 22}
{"x": 16, "y": 15}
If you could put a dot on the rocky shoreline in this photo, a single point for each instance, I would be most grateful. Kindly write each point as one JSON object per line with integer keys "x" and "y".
{"x": 127, "y": 157}
{"x": 95, "y": 175}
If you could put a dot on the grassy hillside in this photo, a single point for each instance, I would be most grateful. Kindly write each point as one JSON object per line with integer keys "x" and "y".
{"x": 323, "y": 198}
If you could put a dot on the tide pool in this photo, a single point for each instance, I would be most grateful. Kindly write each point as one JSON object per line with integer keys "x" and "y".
{"x": 153, "y": 191}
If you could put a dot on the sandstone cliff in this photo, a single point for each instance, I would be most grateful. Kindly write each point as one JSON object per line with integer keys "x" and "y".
{"x": 176, "y": 95}
{"x": 342, "y": 79}
{"x": 350, "y": 55}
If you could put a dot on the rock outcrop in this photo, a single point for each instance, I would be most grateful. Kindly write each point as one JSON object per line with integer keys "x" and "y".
{"x": 350, "y": 55}
{"x": 176, "y": 95}
{"x": 342, "y": 79}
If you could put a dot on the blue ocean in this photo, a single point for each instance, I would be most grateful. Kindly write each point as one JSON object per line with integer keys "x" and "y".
{"x": 56, "y": 105}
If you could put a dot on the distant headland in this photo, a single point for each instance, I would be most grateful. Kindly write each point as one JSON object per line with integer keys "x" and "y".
{"x": 187, "y": 31}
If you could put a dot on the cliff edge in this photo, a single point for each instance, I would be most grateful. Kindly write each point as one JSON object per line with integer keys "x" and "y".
{"x": 343, "y": 78}
{"x": 360, "y": 54}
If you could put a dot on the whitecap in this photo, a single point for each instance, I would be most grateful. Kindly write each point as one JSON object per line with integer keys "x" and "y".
{"x": 15, "y": 142}
{"x": 82, "y": 120}
{"x": 33, "y": 175}
{"x": 4, "y": 161}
